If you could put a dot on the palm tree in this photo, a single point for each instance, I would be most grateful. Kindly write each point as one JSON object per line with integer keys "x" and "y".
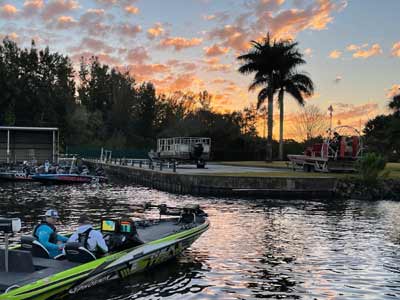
{"x": 274, "y": 64}
{"x": 296, "y": 84}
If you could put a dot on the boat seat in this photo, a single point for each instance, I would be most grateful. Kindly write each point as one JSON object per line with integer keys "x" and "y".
{"x": 30, "y": 243}
{"x": 18, "y": 261}
{"x": 77, "y": 253}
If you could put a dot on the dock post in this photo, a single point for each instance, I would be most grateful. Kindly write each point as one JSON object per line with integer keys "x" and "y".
{"x": 8, "y": 146}
{"x": 161, "y": 166}
{"x": 140, "y": 164}
{"x": 174, "y": 166}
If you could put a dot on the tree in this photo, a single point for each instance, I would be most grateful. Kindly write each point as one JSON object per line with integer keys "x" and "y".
{"x": 289, "y": 80}
{"x": 310, "y": 123}
{"x": 274, "y": 63}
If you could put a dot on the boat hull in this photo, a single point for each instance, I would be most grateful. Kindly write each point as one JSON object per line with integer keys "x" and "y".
{"x": 67, "y": 178}
{"x": 15, "y": 176}
{"x": 109, "y": 268}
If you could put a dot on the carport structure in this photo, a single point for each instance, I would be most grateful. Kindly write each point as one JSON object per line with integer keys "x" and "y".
{"x": 18, "y": 144}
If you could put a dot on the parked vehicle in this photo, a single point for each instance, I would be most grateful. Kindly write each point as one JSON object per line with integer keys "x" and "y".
{"x": 183, "y": 150}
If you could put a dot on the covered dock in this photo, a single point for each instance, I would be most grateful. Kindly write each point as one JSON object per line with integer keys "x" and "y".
{"x": 18, "y": 144}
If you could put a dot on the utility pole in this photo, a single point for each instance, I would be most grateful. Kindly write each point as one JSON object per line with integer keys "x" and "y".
{"x": 330, "y": 109}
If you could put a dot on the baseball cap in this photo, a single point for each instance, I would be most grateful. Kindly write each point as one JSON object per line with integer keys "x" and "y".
{"x": 52, "y": 213}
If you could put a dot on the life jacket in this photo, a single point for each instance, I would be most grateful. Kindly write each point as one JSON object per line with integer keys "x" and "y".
{"x": 84, "y": 237}
{"x": 53, "y": 235}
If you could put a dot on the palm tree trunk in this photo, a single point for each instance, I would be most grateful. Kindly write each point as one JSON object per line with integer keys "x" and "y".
{"x": 281, "y": 116}
{"x": 270, "y": 125}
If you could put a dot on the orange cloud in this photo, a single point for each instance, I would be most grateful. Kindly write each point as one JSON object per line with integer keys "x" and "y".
{"x": 8, "y": 11}
{"x": 393, "y": 91}
{"x": 64, "y": 22}
{"x": 373, "y": 51}
{"x": 92, "y": 44}
{"x": 396, "y": 49}
{"x": 335, "y": 54}
{"x": 130, "y": 9}
{"x": 137, "y": 55}
{"x": 215, "y": 50}
{"x": 179, "y": 43}
{"x": 58, "y": 7}
{"x": 231, "y": 36}
{"x": 219, "y": 68}
{"x": 352, "y": 47}
{"x": 155, "y": 31}
{"x": 32, "y": 7}
{"x": 128, "y": 29}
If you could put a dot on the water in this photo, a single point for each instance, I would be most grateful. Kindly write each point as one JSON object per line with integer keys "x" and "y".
{"x": 254, "y": 249}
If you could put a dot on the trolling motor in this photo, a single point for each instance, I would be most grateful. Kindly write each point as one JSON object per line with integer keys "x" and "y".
{"x": 8, "y": 226}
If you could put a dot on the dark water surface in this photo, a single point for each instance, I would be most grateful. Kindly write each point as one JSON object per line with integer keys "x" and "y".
{"x": 254, "y": 248}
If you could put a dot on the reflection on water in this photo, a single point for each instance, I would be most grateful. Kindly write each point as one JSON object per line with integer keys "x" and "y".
{"x": 254, "y": 248}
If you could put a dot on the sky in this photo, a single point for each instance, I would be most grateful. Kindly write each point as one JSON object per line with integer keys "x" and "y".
{"x": 352, "y": 47}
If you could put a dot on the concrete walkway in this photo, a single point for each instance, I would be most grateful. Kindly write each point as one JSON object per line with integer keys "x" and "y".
{"x": 217, "y": 168}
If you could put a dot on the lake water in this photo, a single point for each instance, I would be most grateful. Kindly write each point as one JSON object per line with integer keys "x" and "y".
{"x": 255, "y": 248}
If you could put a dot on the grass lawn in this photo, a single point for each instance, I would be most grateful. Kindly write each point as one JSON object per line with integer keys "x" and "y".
{"x": 392, "y": 168}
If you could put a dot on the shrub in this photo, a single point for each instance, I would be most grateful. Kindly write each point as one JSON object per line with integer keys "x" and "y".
{"x": 370, "y": 166}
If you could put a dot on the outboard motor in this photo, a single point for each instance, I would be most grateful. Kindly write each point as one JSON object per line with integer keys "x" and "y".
{"x": 8, "y": 226}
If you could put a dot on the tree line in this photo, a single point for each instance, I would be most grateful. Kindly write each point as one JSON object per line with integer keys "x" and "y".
{"x": 100, "y": 106}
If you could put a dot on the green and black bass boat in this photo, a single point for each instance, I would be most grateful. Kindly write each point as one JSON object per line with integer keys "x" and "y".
{"x": 27, "y": 272}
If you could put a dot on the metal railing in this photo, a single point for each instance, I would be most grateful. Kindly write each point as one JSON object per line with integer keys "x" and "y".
{"x": 139, "y": 163}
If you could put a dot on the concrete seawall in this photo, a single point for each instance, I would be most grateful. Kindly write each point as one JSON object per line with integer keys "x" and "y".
{"x": 214, "y": 185}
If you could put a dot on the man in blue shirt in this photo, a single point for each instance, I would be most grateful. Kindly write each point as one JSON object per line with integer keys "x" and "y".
{"x": 46, "y": 234}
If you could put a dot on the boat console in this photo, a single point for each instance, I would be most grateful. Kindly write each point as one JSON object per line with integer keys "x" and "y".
{"x": 120, "y": 234}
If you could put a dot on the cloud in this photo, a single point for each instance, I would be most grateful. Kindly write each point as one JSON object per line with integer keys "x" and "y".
{"x": 215, "y": 50}
{"x": 65, "y": 22}
{"x": 396, "y": 49}
{"x": 209, "y": 17}
{"x": 130, "y": 9}
{"x": 91, "y": 21}
{"x": 350, "y": 114}
{"x": 335, "y": 54}
{"x": 155, "y": 31}
{"x": 373, "y": 51}
{"x": 352, "y": 47}
{"x": 12, "y": 36}
{"x": 219, "y": 68}
{"x": 137, "y": 55}
{"x": 97, "y": 46}
{"x": 179, "y": 43}
{"x": 128, "y": 30}
{"x": 58, "y": 7}
{"x": 393, "y": 91}
{"x": 308, "y": 52}
{"x": 104, "y": 58}
{"x": 231, "y": 36}
{"x": 338, "y": 79}
{"x": 8, "y": 11}
{"x": 32, "y": 7}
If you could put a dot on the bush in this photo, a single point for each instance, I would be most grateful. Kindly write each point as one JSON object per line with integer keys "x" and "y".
{"x": 369, "y": 167}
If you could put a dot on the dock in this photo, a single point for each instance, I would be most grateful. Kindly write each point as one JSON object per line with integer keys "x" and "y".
{"x": 188, "y": 179}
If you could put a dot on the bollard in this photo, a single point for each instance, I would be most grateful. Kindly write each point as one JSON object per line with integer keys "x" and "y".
{"x": 140, "y": 163}
{"x": 174, "y": 166}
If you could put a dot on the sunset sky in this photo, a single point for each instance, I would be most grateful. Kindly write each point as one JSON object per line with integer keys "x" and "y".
{"x": 352, "y": 47}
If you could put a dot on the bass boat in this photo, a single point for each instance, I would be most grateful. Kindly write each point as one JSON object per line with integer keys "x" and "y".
{"x": 27, "y": 272}
{"x": 68, "y": 178}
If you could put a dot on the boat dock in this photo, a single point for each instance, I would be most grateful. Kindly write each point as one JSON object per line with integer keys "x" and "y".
{"x": 187, "y": 179}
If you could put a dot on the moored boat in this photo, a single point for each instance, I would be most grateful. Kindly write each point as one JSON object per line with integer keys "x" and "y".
{"x": 15, "y": 176}
{"x": 32, "y": 275}
{"x": 68, "y": 178}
